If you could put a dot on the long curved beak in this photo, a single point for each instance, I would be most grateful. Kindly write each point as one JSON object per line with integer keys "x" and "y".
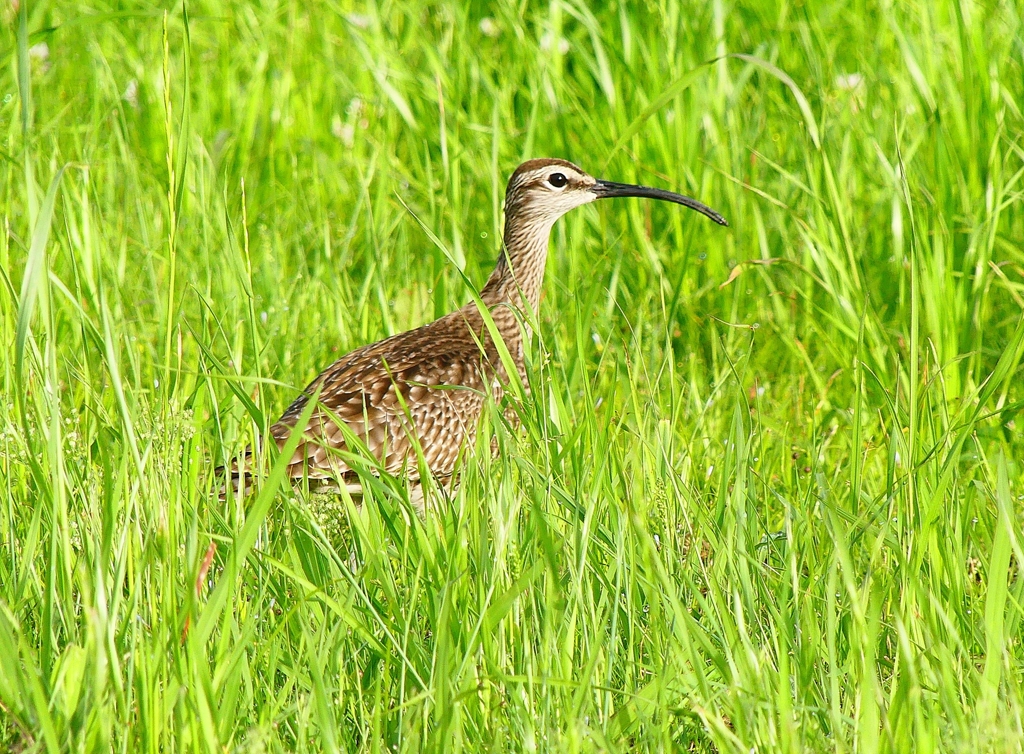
{"x": 609, "y": 190}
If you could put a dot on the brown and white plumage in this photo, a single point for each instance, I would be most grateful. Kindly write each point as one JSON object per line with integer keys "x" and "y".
{"x": 430, "y": 384}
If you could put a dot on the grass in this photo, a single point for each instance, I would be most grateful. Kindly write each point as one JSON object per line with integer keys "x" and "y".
{"x": 767, "y": 495}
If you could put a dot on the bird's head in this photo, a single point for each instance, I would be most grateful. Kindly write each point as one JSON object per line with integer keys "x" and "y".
{"x": 541, "y": 191}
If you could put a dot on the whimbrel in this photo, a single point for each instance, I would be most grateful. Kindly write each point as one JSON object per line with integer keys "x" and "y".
{"x": 430, "y": 384}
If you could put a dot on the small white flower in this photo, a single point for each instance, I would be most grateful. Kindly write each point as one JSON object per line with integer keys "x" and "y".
{"x": 849, "y": 81}
{"x": 489, "y": 27}
{"x": 131, "y": 93}
{"x": 40, "y": 54}
{"x": 547, "y": 43}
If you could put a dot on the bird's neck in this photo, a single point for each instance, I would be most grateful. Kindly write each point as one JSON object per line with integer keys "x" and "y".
{"x": 519, "y": 274}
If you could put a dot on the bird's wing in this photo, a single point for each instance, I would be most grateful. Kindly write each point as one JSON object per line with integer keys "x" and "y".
{"x": 416, "y": 386}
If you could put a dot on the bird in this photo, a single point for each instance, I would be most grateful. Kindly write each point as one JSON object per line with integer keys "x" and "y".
{"x": 421, "y": 393}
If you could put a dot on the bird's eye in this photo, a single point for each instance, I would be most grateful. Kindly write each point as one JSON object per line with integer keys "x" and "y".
{"x": 557, "y": 180}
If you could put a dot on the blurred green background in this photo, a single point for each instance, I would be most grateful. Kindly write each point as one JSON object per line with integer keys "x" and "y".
{"x": 767, "y": 495}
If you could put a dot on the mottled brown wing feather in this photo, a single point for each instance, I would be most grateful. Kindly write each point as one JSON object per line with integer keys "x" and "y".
{"x": 427, "y": 384}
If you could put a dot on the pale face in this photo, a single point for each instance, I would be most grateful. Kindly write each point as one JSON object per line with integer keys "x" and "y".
{"x": 545, "y": 192}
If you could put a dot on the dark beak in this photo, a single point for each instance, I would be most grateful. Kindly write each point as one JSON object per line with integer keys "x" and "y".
{"x": 608, "y": 190}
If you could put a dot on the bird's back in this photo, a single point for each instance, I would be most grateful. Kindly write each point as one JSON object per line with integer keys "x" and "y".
{"x": 426, "y": 385}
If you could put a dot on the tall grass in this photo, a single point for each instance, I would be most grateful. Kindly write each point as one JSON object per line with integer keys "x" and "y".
{"x": 767, "y": 494}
